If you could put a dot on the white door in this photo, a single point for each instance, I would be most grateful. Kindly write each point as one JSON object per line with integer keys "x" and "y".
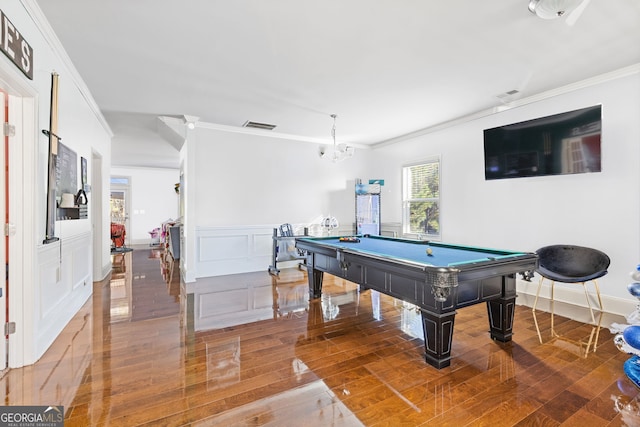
{"x": 4, "y": 284}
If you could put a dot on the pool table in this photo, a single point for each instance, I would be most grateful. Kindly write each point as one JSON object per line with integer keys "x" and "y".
{"x": 437, "y": 277}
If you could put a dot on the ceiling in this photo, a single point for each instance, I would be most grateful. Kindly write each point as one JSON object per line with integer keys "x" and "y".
{"x": 386, "y": 67}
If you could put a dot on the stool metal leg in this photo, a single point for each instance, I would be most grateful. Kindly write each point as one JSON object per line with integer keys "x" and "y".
{"x": 595, "y": 283}
{"x": 595, "y": 332}
{"x": 551, "y": 309}
{"x": 533, "y": 309}
{"x": 596, "y": 325}
{"x": 553, "y": 329}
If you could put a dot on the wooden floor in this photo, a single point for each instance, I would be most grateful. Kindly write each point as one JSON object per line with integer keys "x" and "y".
{"x": 131, "y": 357}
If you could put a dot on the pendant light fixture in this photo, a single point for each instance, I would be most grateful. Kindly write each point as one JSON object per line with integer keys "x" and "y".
{"x": 340, "y": 151}
{"x": 552, "y": 9}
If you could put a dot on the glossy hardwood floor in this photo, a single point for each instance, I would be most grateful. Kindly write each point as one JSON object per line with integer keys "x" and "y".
{"x": 131, "y": 357}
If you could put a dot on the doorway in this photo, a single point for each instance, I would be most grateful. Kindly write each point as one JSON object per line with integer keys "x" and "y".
{"x": 120, "y": 203}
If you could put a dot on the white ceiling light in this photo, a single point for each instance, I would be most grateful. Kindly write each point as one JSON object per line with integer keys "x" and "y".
{"x": 552, "y": 9}
{"x": 340, "y": 151}
{"x": 190, "y": 121}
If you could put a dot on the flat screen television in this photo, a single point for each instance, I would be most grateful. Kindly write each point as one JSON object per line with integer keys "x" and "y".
{"x": 564, "y": 143}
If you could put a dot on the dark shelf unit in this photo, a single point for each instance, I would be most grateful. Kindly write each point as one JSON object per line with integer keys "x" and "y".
{"x": 76, "y": 212}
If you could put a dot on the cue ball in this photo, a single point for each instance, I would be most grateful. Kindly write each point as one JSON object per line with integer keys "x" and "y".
{"x": 429, "y": 252}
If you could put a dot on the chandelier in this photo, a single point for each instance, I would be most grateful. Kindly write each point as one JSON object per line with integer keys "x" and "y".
{"x": 551, "y": 9}
{"x": 340, "y": 151}
{"x": 329, "y": 223}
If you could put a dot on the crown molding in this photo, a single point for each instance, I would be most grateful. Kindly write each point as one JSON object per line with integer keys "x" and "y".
{"x": 270, "y": 134}
{"x": 602, "y": 78}
{"x": 50, "y": 37}
{"x": 259, "y": 132}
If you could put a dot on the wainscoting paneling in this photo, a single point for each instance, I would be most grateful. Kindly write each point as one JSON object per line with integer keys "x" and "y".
{"x": 52, "y": 288}
{"x": 244, "y": 249}
{"x": 223, "y": 248}
{"x": 64, "y": 285}
{"x": 231, "y": 250}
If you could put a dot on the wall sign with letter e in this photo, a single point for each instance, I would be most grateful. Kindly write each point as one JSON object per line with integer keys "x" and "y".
{"x": 15, "y": 47}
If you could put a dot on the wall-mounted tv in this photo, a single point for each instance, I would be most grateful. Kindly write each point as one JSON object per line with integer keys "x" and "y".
{"x": 564, "y": 143}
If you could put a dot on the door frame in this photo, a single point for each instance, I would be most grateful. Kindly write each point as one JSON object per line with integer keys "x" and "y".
{"x": 24, "y": 202}
{"x": 126, "y": 189}
{"x": 4, "y": 302}
{"x": 97, "y": 220}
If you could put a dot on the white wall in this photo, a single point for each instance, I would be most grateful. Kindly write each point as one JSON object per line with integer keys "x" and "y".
{"x": 257, "y": 182}
{"x": 153, "y": 199}
{"x": 600, "y": 210}
{"x": 49, "y": 282}
{"x": 242, "y": 182}
{"x": 248, "y": 179}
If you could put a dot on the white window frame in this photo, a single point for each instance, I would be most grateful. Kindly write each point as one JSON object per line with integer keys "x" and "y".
{"x": 406, "y": 200}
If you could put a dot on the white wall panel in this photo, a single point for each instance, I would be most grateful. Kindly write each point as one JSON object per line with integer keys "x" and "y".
{"x": 262, "y": 243}
{"x": 223, "y": 248}
{"x": 51, "y": 288}
{"x": 81, "y": 262}
{"x": 64, "y": 285}
{"x": 231, "y": 250}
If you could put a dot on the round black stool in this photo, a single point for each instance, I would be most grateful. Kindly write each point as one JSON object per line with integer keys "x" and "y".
{"x": 571, "y": 264}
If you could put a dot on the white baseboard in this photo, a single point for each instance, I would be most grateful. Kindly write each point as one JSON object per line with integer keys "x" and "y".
{"x": 571, "y": 295}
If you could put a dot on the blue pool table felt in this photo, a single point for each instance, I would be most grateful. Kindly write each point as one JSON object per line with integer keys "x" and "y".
{"x": 443, "y": 255}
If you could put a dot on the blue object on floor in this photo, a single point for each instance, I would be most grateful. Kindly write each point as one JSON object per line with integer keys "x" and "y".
{"x": 631, "y": 336}
{"x": 634, "y": 289}
{"x": 632, "y": 370}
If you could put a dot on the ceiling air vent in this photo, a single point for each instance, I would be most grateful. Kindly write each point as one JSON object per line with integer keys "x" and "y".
{"x": 258, "y": 125}
{"x": 508, "y": 94}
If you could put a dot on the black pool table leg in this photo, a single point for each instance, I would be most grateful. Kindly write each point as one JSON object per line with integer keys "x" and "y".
{"x": 501, "y": 312}
{"x": 438, "y": 336}
{"x": 315, "y": 282}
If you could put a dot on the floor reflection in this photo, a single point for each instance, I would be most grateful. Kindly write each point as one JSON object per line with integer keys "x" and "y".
{"x": 121, "y": 299}
{"x": 312, "y": 404}
{"x": 290, "y": 300}
{"x": 223, "y": 363}
{"x": 627, "y": 402}
{"x": 225, "y": 301}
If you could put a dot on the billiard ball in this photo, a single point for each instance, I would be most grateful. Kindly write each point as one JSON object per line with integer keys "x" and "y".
{"x": 429, "y": 252}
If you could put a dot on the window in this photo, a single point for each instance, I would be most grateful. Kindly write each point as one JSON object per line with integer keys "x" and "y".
{"x": 421, "y": 198}
{"x": 119, "y": 180}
